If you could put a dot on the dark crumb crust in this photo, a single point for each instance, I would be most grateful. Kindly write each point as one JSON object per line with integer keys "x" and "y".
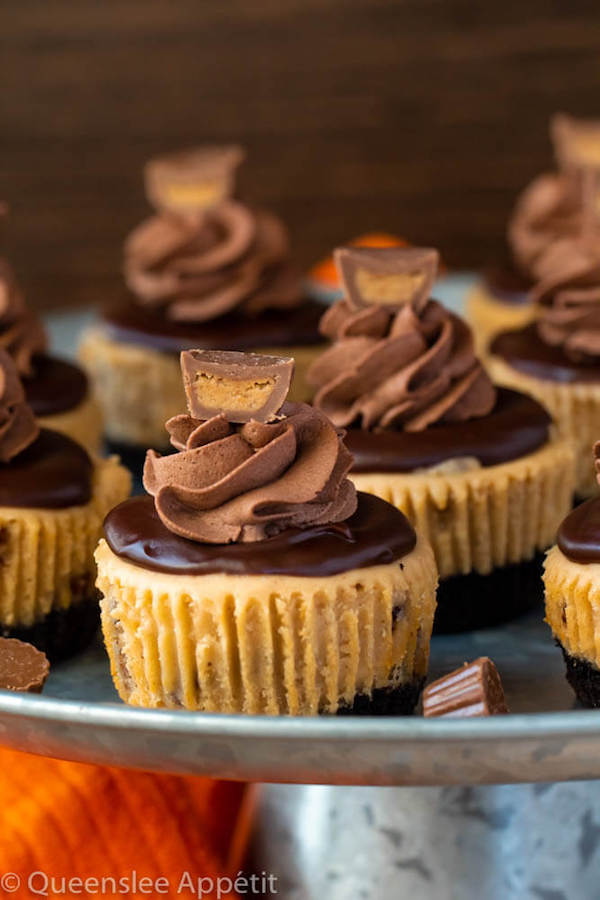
{"x": 584, "y": 678}
{"x": 467, "y": 602}
{"x": 393, "y": 701}
{"x": 63, "y": 632}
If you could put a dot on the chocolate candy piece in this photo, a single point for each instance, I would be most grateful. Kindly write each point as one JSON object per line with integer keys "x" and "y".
{"x": 576, "y": 141}
{"x": 191, "y": 181}
{"x": 22, "y": 667}
{"x": 390, "y": 276}
{"x": 241, "y": 386}
{"x": 473, "y": 690}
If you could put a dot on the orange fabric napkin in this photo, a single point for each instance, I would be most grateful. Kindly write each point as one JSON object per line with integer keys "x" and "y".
{"x": 70, "y": 821}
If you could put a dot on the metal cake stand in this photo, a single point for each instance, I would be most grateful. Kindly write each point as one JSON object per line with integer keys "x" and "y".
{"x": 363, "y": 807}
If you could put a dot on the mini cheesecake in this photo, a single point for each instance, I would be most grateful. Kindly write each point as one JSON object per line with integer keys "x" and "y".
{"x": 205, "y": 271}
{"x": 478, "y": 471}
{"x": 556, "y": 359}
{"x": 253, "y": 579}
{"x": 53, "y": 498}
{"x": 572, "y": 590}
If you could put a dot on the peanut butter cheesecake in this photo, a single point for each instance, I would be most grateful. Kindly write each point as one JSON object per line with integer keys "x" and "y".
{"x": 254, "y": 578}
{"x": 206, "y": 270}
{"x": 556, "y": 359}
{"x": 53, "y": 498}
{"x": 555, "y": 206}
{"x": 58, "y": 391}
{"x": 572, "y": 586}
{"x": 478, "y": 470}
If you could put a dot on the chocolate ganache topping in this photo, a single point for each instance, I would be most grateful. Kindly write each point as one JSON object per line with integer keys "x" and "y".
{"x": 40, "y": 468}
{"x": 579, "y": 534}
{"x": 249, "y": 471}
{"x": 399, "y": 359}
{"x": 562, "y": 204}
{"x": 204, "y": 254}
{"x": 22, "y": 334}
{"x": 18, "y": 428}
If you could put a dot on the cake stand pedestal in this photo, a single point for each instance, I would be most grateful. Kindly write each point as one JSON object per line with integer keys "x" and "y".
{"x": 522, "y": 841}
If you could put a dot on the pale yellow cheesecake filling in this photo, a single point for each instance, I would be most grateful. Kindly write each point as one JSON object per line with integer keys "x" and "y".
{"x": 46, "y": 555}
{"x": 572, "y": 596}
{"x": 479, "y": 518}
{"x": 488, "y": 316}
{"x": 265, "y": 643}
{"x": 575, "y": 407}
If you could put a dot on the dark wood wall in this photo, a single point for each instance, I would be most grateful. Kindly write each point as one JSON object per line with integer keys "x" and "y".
{"x": 422, "y": 117}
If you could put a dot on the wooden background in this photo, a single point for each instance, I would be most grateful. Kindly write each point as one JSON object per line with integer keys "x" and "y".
{"x": 423, "y": 117}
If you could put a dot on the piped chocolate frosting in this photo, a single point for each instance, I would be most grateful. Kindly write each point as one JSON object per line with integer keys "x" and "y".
{"x": 563, "y": 344}
{"x": 246, "y": 482}
{"x": 560, "y": 205}
{"x": 51, "y": 385}
{"x": 569, "y": 296}
{"x": 38, "y": 468}
{"x": 205, "y": 254}
{"x": 18, "y": 428}
{"x": 406, "y": 363}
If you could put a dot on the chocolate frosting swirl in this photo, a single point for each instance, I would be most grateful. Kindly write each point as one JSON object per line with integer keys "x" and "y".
{"x": 548, "y": 210}
{"x": 18, "y": 428}
{"x": 568, "y": 294}
{"x": 249, "y": 482}
{"x": 198, "y": 267}
{"x": 22, "y": 334}
{"x": 402, "y": 369}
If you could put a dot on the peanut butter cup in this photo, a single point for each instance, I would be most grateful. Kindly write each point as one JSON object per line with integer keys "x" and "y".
{"x": 477, "y": 470}
{"x": 206, "y": 270}
{"x": 473, "y": 690}
{"x": 23, "y": 667}
{"x": 253, "y": 578}
{"x": 53, "y": 498}
{"x": 572, "y": 590}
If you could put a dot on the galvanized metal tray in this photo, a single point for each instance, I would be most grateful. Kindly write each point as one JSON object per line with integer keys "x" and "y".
{"x": 79, "y": 716}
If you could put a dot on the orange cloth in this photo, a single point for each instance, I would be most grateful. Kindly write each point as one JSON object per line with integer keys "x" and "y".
{"x": 73, "y": 820}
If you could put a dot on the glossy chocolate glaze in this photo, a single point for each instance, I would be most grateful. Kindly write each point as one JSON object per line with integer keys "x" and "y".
{"x": 56, "y": 386}
{"x": 579, "y": 533}
{"x": 52, "y": 473}
{"x": 377, "y": 534}
{"x": 526, "y": 352}
{"x": 517, "y": 425}
{"x": 507, "y": 284}
{"x": 134, "y": 324}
